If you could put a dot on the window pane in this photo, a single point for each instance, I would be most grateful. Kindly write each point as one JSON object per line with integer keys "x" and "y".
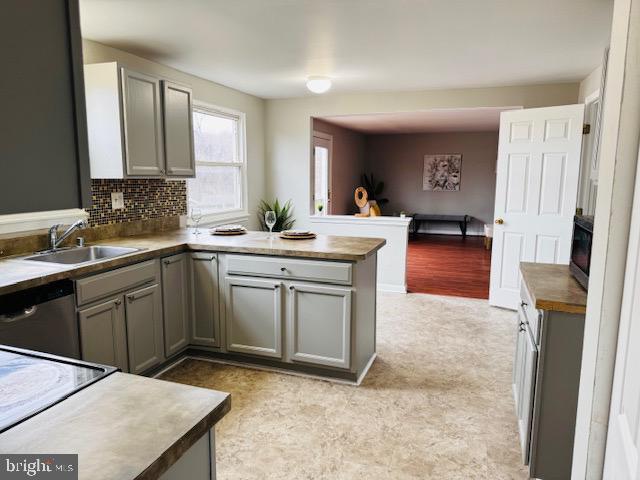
{"x": 216, "y": 188}
{"x": 321, "y": 187}
{"x": 215, "y": 138}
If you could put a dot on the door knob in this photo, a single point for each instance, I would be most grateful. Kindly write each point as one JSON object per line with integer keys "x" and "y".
{"x": 499, "y": 221}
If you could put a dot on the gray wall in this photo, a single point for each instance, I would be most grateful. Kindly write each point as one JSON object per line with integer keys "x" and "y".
{"x": 347, "y": 165}
{"x": 398, "y": 161}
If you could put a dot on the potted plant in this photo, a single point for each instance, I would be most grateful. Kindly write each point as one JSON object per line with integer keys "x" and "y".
{"x": 374, "y": 190}
{"x": 284, "y": 215}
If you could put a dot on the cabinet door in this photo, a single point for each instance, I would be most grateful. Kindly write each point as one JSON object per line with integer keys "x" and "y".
{"x": 524, "y": 376}
{"x": 144, "y": 328}
{"x": 43, "y": 133}
{"x": 319, "y": 325}
{"x": 176, "y": 302}
{"x": 530, "y": 363}
{"x": 103, "y": 336}
{"x": 142, "y": 118}
{"x": 178, "y": 129}
{"x": 205, "y": 314}
{"x": 254, "y": 316}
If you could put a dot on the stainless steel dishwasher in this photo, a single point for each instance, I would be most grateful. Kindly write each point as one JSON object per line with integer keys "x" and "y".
{"x": 41, "y": 318}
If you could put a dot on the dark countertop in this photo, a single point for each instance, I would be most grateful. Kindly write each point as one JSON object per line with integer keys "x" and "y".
{"x": 18, "y": 274}
{"x": 122, "y": 427}
{"x": 553, "y": 288}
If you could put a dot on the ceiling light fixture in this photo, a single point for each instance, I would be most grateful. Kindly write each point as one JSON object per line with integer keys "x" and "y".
{"x": 318, "y": 84}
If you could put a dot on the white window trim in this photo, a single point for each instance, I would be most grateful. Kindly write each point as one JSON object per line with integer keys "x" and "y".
{"x": 31, "y": 221}
{"x": 243, "y": 212}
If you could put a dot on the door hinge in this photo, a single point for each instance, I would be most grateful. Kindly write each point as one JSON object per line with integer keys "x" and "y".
{"x": 586, "y": 129}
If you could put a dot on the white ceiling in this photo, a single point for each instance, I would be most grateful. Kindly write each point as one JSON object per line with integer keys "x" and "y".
{"x": 269, "y": 47}
{"x": 438, "y": 120}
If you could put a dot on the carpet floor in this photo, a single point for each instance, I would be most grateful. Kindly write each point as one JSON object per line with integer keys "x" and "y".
{"x": 436, "y": 404}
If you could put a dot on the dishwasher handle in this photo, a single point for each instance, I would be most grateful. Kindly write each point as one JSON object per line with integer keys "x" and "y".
{"x": 26, "y": 313}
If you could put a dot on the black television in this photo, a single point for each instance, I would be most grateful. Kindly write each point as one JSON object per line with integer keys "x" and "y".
{"x": 581, "y": 249}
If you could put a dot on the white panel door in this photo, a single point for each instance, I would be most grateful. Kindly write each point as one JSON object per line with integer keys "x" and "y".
{"x": 623, "y": 439}
{"x": 536, "y": 189}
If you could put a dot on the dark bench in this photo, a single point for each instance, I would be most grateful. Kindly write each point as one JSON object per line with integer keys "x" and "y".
{"x": 461, "y": 220}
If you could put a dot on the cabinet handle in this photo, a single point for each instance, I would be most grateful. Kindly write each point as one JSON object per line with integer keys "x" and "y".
{"x": 118, "y": 302}
{"x": 291, "y": 287}
{"x": 283, "y": 269}
{"x": 131, "y": 298}
{"x": 523, "y": 304}
{"x": 276, "y": 286}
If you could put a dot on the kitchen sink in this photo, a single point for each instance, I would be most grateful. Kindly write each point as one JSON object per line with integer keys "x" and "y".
{"x": 76, "y": 255}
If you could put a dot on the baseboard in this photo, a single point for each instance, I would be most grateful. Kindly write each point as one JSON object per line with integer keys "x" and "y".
{"x": 429, "y": 231}
{"x": 391, "y": 288}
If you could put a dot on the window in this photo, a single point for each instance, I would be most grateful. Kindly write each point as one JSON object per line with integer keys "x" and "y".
{"x": 322, "y": 146}
{"x": 219, "y": 188}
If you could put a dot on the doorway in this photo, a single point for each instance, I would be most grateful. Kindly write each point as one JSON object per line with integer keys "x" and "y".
{"x": 322, "y": 158}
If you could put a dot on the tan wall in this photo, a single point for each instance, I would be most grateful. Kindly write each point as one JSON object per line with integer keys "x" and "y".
{"x": 347, "y": 165}
{"x": 398, "y": 161}
{"x": 288, "y": 124}
{"x": 210, "y": 92}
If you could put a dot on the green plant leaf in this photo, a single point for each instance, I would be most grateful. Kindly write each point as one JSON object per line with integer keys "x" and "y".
{"x": 284, "y": 214}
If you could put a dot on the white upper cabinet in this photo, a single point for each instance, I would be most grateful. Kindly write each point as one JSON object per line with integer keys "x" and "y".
{"x": 139, "y": 125}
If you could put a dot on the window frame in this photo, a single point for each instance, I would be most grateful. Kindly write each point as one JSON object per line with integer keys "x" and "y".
{"x": 235, "y": 214}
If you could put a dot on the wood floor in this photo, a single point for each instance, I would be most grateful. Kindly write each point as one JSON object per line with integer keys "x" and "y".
{"x": 448, "y": 265}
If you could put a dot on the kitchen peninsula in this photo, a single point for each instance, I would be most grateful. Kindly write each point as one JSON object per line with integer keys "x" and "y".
{"x": 300, "y": 305}
{"x": 121, "y": 426}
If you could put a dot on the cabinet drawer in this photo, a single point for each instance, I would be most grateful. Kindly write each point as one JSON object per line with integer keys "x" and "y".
{"x": 98, "y": 286}
{"x": 278, "y": 267}
{"x": 532, "y": 314}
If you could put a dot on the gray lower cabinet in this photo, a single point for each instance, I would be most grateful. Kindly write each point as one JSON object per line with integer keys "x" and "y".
{"x": 254, "y": 316}
{"x": 205, "y": 305}
{"x": 319, "y": 324}
{"x": 524, "y": 373}
{"x": 197, "y": 463}
{"x": 144, "y": 328}
{"x": 546, "y": 379}
{"x": 176, "y": 302}
{"x": 103, "y": 334}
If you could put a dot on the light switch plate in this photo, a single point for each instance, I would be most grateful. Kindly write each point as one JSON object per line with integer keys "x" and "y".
{"x": 117, "y": 200}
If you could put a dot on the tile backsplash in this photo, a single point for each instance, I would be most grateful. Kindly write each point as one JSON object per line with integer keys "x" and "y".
{"x": 144, "y": 199}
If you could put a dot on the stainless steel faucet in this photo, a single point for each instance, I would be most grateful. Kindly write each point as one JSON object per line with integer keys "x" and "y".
{"x": 55, "y": 240}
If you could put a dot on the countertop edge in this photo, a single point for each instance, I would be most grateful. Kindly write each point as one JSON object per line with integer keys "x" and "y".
{"x": 545, "y": 304}
{"x": 172, "y": 454}
{"x": 178, "y": 247}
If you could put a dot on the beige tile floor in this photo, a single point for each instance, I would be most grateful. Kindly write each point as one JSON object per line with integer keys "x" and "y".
{"x": 435, "y": 405}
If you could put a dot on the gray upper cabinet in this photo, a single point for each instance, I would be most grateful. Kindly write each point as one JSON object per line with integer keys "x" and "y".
{"x": 254, "y": 316}
{"x": 103, "y": 335}
{"x": 319, "y": 325}
{"x": 139, "y": 125}
{"x": 176, "y": 302}
{"x": 43, "y": 135}
{"x": 142, "y": 116}
{"x": 178, "y": 129}
{"x": 144, "y": 328}
{"x": 205, "y": 315}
